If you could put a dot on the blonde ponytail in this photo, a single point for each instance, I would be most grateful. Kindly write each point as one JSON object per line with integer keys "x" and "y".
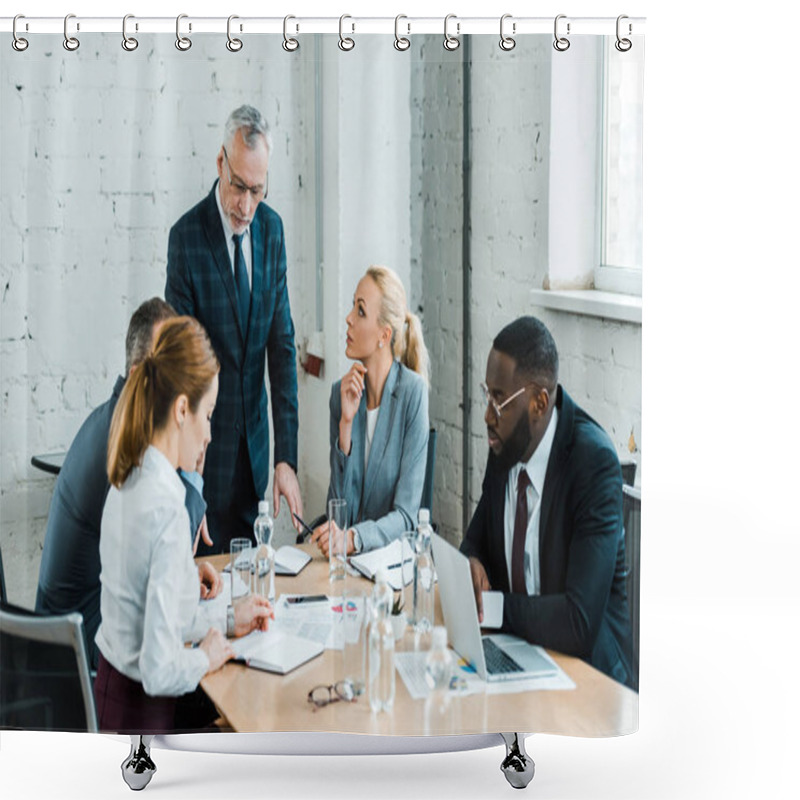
{"x": 132, "y": 424}
{"x": 415, "y": 355}
{"x": 407, "y": 343}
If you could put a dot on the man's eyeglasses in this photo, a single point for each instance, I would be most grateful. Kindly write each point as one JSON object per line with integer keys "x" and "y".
{"x": 322, "y": 695}
{"x": 498, "y": 408}
{"x": 238, "y": 187}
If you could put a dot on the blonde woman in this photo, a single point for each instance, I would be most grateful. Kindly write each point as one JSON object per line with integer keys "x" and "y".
{"x": 379, "y": 417}
{"x": 150, "y": 594}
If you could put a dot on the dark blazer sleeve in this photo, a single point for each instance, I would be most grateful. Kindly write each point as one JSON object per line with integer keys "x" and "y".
{"x": 178, "y": 291}
{"x": 476, "y": 542}
{"x": 282, "y": 360}
{"x": 570, "y": 620}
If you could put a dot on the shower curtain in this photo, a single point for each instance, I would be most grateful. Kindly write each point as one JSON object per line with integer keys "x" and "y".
{"x": 497, "y": 183}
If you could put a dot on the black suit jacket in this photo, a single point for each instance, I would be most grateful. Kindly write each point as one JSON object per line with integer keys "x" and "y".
{"x": 200, "y": 283}
{"x": 582, "y": 609}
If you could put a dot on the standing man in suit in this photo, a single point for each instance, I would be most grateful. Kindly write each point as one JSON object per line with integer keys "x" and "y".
{"x": 226, "y": 266}
{"x": 547, "y": 532}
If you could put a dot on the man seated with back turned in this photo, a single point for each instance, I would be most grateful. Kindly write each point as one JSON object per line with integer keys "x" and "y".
{"x": 547, "y": 531}
{"x": 69, "y": 574}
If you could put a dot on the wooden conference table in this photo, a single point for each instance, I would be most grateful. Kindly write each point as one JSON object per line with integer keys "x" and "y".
{"x": 256, "y": 701}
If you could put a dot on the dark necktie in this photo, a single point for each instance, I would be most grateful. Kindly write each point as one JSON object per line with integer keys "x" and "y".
{"x": 520, "y": 531}
{"x": 242, "y": 284}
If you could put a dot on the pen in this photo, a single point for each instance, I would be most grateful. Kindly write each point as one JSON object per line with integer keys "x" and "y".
{"x": 398, "y": 564}
{"x": 308, "y": 531}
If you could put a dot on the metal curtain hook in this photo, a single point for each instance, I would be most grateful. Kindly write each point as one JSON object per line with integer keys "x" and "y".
{"x": 70, "y": 42}
{"x": 290, "y": 44}
{"x": 451, "y": 42}
{"x": 182, "y": 42}
{"x": 128, "y": 42}
{"x": 345, "y": 42}
{"x": 18, "y": 43}
{"x": 507, "y": 42}
{"x": 561, "y": 43}
{"x": 400, "y": 42}
{"x": 233, "y": 44}
{"x": 623, "y": 45}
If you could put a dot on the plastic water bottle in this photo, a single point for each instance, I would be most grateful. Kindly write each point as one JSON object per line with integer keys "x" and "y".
{"x": 438, "y": 674}
{"x": 423, "y": 575}
{"x": 381, "y": 647}
{"x": 264, "y": 560}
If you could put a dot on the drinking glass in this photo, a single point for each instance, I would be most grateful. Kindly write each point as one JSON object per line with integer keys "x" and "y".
{"x": 241, "y": 552}
{"x": 337, "y": 538}
{"x": 354, "y": 612}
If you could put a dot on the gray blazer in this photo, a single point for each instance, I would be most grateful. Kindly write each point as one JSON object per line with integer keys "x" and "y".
{"x": 383, "y": 499}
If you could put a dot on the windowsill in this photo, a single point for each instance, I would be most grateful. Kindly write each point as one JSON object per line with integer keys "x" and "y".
{"x": 608, "y": 305}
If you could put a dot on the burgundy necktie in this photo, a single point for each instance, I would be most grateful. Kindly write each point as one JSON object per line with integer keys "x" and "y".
{"x": 520, "y": 531}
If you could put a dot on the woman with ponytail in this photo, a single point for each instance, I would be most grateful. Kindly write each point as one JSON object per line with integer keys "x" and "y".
{"x": 379, "y": 417}
{"x": 150, "y": 595}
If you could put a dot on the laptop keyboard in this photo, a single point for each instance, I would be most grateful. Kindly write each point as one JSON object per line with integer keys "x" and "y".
{"x": 498, "y": 662}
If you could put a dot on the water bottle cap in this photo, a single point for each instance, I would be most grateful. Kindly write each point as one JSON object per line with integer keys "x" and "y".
{"x": 439, "y": 636}
{"x": 424, "y": 516}
{"x": 263, "y": 507}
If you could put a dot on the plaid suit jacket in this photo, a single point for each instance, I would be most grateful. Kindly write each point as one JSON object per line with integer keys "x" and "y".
{"x": 200, "y": 283}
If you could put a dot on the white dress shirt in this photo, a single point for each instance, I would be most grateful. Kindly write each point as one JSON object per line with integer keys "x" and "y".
{"x": 247, "y": 247}
{"x": 536, "y": 467}
{"x": 150, "y": 589}
{"x": 372, "y": 422}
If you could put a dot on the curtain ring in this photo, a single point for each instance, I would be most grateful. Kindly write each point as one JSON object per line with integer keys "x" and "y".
{"x": 400, "y": 42}
{"x": 290, "y": 44}
{"x": 561, "y": 43}
{"x": 70, "y": 42}
{"x": 183, "y": 43}
{"x": 128, "y": 42}
{"x": 233, "y": 44}
{"x": 507, "y": 42}
{"x": 18, "y": 43}
{"x": 623, "y": 45}
{"x": 345, "y": 42}
{"x": 451, "y": 42}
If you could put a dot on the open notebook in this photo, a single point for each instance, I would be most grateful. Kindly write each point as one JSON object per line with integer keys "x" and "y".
{"x": 396, "y": 558}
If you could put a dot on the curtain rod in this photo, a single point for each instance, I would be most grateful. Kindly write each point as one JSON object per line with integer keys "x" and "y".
{"x": 349, "y": 25}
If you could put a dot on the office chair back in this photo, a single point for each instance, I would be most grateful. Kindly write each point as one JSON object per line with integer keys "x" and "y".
{"x": 427, "y": 486}
{"x": 632, "y": 518}
{"x": 45, "y": 682}
{"x": 3, "y": 596}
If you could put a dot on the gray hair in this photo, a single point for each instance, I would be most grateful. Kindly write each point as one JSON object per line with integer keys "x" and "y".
{"x": 251, "y": 123}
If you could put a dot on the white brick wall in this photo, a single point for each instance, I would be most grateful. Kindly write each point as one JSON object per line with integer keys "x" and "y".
{"x": 101, "y": 151}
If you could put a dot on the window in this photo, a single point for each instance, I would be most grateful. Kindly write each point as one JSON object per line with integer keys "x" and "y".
{"x": 620, "y": 267}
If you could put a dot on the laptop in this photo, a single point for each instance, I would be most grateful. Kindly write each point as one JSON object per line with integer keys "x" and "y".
{"x": 498, "y": 657}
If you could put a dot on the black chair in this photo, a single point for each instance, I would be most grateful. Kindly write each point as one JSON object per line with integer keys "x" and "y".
{"x": 427, "y": 486}
{"x": 628, "y": 471}
{"x": 3, "y": 596}
{"x": 632, "y": 519}
{"x": 45, "y": 682}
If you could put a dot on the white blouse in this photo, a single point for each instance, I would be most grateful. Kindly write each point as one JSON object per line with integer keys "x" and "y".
{"x": 150, "y": 590}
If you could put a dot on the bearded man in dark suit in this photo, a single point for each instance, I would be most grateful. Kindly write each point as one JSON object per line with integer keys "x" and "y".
{"x": 226, "y": 266}
{"x": 547, "y": 532}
